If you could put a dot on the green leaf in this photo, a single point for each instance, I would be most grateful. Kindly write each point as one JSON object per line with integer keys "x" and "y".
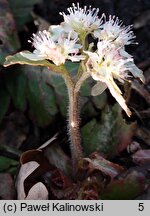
{"x": 8, "y": 33}
{"x": 41, "y": 98}
{"x": 60, "y": 89}
{"x": 72, "y": 67}
{"x": 19, "y": 59}
{"x": 16, "y": 83}
{"x": 54, "y": 153}
{"x": 85, "y": 89}
{"x": 22, "y": 11}
{"x": 110, "y": 136}
{"x": 127, "y": 188}
{"x": 7, "y": 163}
{"x": 100, "y": 101}
{"x": 4, "y": 101}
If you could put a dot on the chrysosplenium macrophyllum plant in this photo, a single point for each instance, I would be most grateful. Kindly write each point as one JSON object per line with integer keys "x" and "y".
{"x": 105, "y": 59}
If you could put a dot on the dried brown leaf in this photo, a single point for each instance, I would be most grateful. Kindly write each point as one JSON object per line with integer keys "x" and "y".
{"x": 25, "y": 170}
{"x": 141, "y": 157}
{"x": 61, "y": 186}
{"x": 97, "y": 162}
{"x": 38, "y": 192}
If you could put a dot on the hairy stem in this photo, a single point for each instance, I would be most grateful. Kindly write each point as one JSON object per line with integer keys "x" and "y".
{"x": 74, "y": 130}
{"x": 73, "y": 125}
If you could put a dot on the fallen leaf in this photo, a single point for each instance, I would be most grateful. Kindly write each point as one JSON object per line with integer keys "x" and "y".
{"x": 97, "y": 162}
{"x": 61, "y": 186}
{"x": 141, "y": 157}
{"x": 38, "y": 192}
{"x": 133, "y": 147}
{"x": 25, "y": 170}
{"x": 89, "y": 189}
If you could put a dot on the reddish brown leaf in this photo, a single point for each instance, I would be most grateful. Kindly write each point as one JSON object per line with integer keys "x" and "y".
{"x": 61, "y": 186}
{"x": 97, "y": 162}
{"x": 141, "y": 157}
{"x": 89, "y": 189}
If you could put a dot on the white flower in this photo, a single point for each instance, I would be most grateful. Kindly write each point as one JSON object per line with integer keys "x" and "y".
{"x": 114, "y": 31}
{"x": 57, "y": 30}
{"x": 81, "y": 20}
{"x": 107, "y": 64}
{"x": 56, "y": 51}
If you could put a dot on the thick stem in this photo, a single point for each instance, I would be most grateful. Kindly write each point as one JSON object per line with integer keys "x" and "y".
{"x": 74, "y": 130}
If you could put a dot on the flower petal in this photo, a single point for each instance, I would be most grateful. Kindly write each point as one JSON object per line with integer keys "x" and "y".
{"x": 98, "y": 88}
{"x": 113, "y": 88}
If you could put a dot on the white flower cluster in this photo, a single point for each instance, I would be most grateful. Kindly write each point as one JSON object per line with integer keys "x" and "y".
{"x": 56, "y": 47}
{"x": 108, "y": 63}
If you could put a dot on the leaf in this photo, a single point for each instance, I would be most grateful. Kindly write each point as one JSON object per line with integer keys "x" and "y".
{"x": 72, "y": 67}
{"x": 85, "y": 89}
{"x": 8, "y": 34}
{"x": 88, "y": 109}
{"x": 41, "y": 98}
{"x": 19, "y": 59}
{"x": 29, "y": 85}
{"x": 60, "y": 89}
{"x": 89, "y": 189}
{"x": 41, "y": 171}
{"x": 38, "y": 192}
{"x": 111, "y": 136}
{"x": 16, "y": 83}
{"x": 25, "y": 170}
{"x": 62, "y": 187}
{"x": 22, "y": 11}
{"x": 141, "y": 157}
{"x": 97, "y": 162}
{"x": 6, "y": 163}
{"x": 125, "y": 188}
{"x": 100, "y": 101}
{"x": 53, "y": 154}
